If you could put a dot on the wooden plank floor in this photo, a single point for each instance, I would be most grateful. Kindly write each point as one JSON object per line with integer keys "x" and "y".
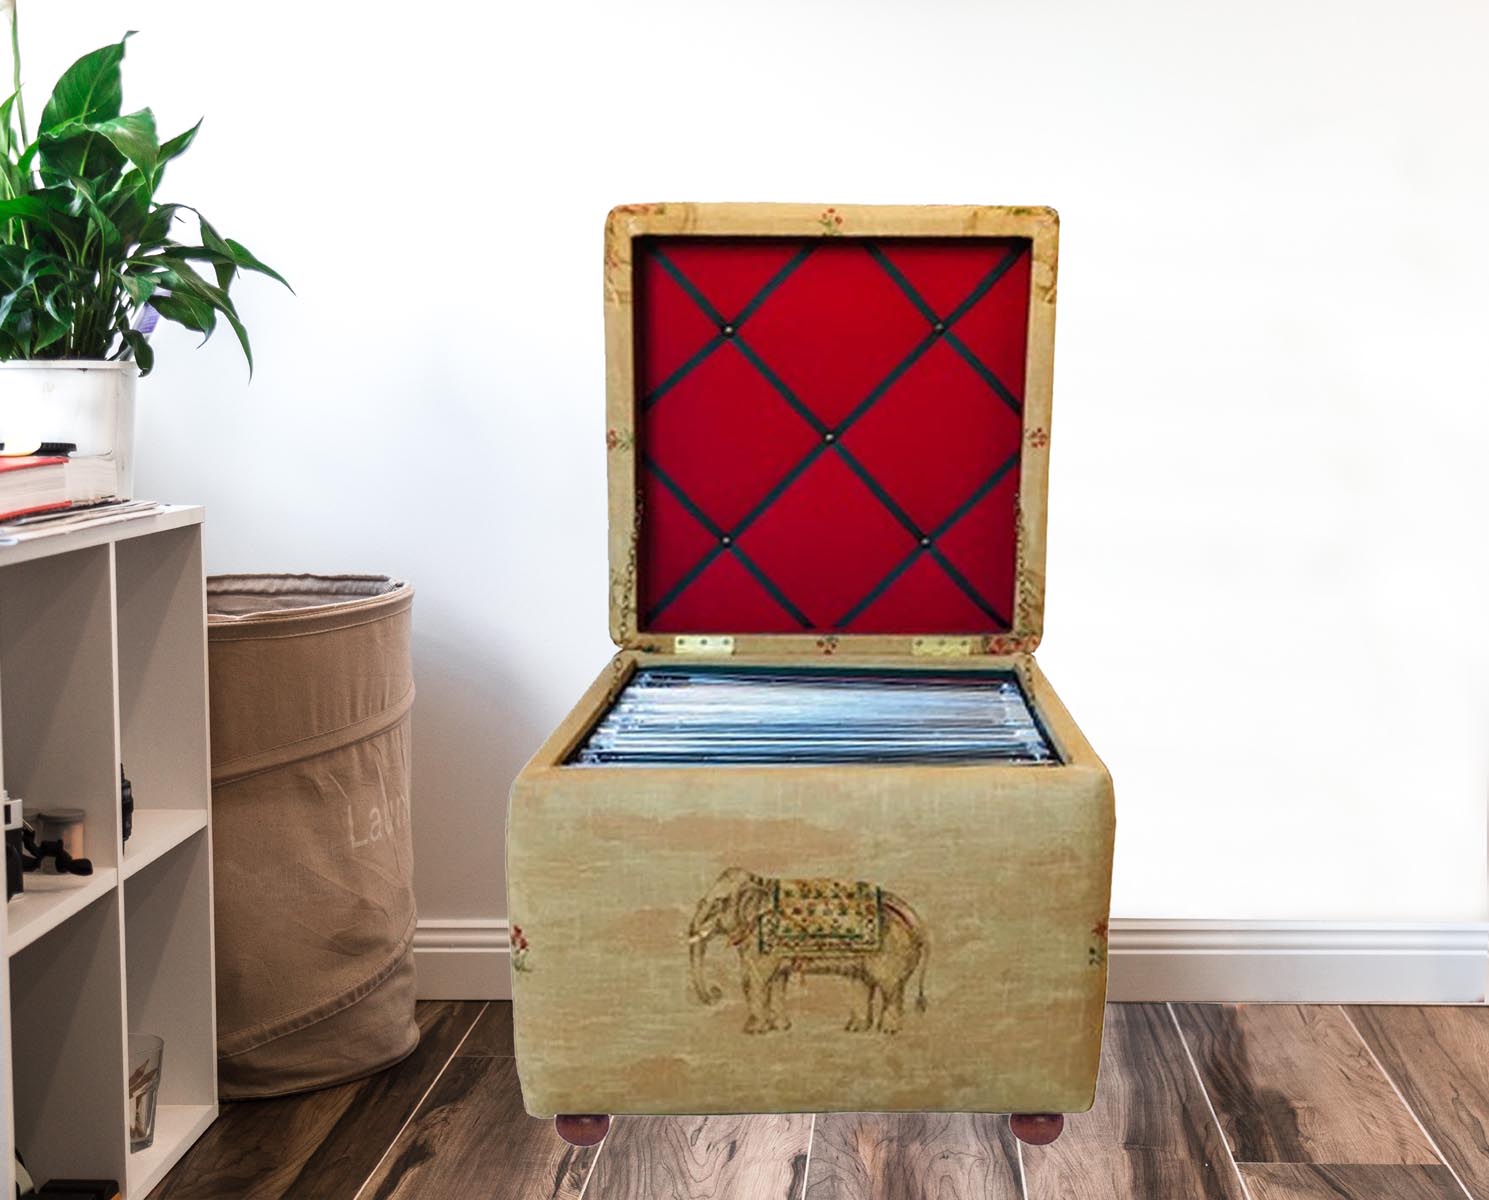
{"x": 1196, "y": 1102}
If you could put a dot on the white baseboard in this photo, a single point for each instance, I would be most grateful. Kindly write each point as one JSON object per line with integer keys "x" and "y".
{"x": 1298, "y": 961}
{"x": 1256, "y": 961}
{"x": 463, "y": 959}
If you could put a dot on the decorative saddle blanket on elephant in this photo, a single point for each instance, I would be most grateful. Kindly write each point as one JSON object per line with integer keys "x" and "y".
{"x": 822, "y": 916}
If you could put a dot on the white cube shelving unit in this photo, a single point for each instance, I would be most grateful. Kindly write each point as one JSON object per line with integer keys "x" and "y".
{"x": 103, "y": 661}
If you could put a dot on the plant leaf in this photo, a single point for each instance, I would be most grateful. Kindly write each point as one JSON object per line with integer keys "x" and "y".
{"x": 242, "y": 334}
{"x": 180, "y": 276}
{"x": 89, "y": 90}
{"x": 221, "y": 253}
{"x": 6, "y": 127}
{"x": 76, "y": 152}
{"x": 57, "y": 305}
{"x": 47, "y": 208}
{"x": 139, "y": 287}
{"x": 196, "y": 315}
{"x": 132, "y": 135}
{"x": 157, "y": 226}
{"x": 29, "y": 208}
{"x": 137, "y": 346}
{"x": 48, "y": 331}
{"x": 235, "y": 253}
{"x": 85, "y": 204}
{"x": 249, "y": 263}
{"x": 8, "y": 301}
{"x": 172, "y": 148}
{"x": 128, "y": 205}
{"x": 178, "y": 144}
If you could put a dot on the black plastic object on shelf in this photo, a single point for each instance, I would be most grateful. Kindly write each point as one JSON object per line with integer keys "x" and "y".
{"x": 126, "y": 805}
{"x": 80, "y": 1189}
{"x": 15, "y": 832}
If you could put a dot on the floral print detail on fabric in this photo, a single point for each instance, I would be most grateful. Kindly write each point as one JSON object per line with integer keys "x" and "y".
{"x": 623, "y": 582}
{"x": 1001, "y": 643}
{"x": 1096, "y": 952}
{"x": 1038, "y": 438}
{"x": 1029, "y": 598}
{"x": 619, "y": 439}
{"x": 821, "y": 916}
{"x": 519, "y": 949}
{"x": 828, "y": 644}
{"x": 831, "y": 221}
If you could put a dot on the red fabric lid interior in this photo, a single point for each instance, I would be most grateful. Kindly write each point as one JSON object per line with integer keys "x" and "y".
{"x": 828, "y": 433}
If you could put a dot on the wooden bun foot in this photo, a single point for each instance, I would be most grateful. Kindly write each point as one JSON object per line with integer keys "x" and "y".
{"x": 1036, "y": 1129}
{"x": 587, "y": 1129}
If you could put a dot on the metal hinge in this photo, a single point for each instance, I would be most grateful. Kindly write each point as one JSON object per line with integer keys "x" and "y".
{"x": 708, "y": 644}
{"x": 943, "y": 647}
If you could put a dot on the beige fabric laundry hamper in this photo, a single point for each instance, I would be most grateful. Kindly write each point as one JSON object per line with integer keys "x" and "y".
{"x": 311, "y": 688}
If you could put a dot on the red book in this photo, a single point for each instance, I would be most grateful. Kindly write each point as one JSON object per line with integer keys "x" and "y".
{"x": 18, "y": 513}
{"x": 31, "y": 484}
{"x": 38, "y": 483}
{"x": 27, "y": 462}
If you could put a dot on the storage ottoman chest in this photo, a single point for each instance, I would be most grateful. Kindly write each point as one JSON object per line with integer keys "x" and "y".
{"x": 821, "y": 837}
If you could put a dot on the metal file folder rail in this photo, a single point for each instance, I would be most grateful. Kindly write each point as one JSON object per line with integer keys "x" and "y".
{"x": 717, "y": 716}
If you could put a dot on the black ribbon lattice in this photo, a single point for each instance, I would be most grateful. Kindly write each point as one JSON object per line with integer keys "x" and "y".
{"x": 726, "y": 541}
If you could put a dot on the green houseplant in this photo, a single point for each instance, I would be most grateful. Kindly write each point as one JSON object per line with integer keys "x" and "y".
{"x": 89, "y": 258}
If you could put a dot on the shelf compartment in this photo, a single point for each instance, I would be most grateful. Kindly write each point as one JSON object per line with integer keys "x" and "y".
{"x": 177, "y": 1126}
{"x": 67, "y": 1043}
{"x": 158, "y": 831}
{"x": 50, "y": 900}
{"x": 57, "y": 691}
{"x": 168, "y": 984}
{"x": 162, "y": 643}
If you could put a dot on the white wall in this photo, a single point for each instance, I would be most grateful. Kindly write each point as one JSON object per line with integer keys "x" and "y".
{"x": 1269, "y": 485}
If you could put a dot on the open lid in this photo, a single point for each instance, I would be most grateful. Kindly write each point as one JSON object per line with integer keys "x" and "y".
{"x": 828, "y": 427}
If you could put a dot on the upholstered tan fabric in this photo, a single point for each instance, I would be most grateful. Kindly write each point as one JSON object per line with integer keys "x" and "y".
{"x": 994, "y": 885}
{"x": 652, "y": 969}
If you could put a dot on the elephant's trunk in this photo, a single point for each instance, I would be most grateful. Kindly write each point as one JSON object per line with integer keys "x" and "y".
{"x": 697, "y": 942}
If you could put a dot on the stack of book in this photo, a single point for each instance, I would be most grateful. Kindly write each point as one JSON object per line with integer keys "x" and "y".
{"x": 47, "y": 483}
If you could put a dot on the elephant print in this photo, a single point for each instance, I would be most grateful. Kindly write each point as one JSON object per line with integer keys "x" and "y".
{"x": 786, "y": 927}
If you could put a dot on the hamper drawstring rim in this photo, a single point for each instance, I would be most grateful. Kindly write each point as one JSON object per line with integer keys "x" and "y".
{"x": 340, "y": 592}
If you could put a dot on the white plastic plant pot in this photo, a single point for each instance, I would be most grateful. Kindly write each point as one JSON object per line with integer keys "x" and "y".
{"x": 88, "y": 402}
